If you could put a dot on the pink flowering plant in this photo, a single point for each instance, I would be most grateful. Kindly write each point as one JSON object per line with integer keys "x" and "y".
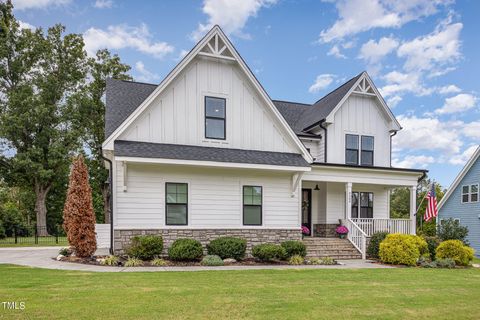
{"x": 341, "y": 230}
{"x": 305, "y": 230}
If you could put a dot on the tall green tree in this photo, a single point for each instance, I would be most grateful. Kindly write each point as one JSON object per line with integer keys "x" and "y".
{"x": 90, "y": 102}
{"x": 38, "y": 73}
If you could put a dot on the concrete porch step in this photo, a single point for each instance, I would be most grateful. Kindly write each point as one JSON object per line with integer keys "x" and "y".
{"x": 335, "y": 248}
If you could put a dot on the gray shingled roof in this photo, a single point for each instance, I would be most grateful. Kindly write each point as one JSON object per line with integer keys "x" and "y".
{"x": 122, "y": 98}
{"x": 185, "y": 152}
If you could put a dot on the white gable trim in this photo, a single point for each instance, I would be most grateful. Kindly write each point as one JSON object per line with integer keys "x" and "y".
{"x": 214, "y": 32}
{"x": 395, "y": 124}
{"x": 460, "y": 177}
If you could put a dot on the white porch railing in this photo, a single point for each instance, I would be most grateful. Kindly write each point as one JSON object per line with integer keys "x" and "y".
{"x": 357, "y": 237}
{"x": 370, "y": 226}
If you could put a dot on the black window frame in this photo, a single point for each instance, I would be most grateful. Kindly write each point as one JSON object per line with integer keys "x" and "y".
{"x": 362, "y": 151}
{"x": 252, "y": 205}
{"x": 167, "y": 203}
{"x": 224, "y": 119}
{"x": 350, "y": 149}
{"x": 359, "y": 205}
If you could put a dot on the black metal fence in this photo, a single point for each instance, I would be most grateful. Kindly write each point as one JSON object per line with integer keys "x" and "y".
{"x": 34, "y": 236}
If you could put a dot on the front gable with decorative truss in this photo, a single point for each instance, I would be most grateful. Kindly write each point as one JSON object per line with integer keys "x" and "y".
{"x": 174, "y": 112}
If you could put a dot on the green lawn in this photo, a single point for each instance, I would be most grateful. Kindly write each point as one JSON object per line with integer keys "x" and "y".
{"x": 404, "y": 293}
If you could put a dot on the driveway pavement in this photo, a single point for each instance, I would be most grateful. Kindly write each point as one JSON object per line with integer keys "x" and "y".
{"x": 43, "y": 257}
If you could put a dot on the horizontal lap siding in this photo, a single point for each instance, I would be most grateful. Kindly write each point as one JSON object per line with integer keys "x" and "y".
{"x": 215, "y": 196}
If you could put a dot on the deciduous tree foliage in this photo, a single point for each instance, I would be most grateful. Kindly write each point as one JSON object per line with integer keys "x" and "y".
{"x": 78, "y": 214}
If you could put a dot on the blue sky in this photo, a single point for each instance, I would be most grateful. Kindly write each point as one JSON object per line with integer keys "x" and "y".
{"x": 421, "y": 54}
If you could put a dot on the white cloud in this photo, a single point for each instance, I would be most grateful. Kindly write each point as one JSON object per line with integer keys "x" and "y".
{"x": 449, "y": 89}
{"x": 399, "y": 83}
{"x": 143, "y": 74}
{"x": 38, "y": 4}
{"x": 462, "y": 158}
{"x": 25, "y": 25}
{"x": 393, "y": 101}
{"x": 335, "y": 51}
{"x": 103, "y": 4}
{"x": 357, "y": 16}
{"x": 459, "y": 103}
{"x": 428, "y": 133}
{"x": 412, "y": 161}
{"x": 321, "y": 82}
{"x": 182, "y": 54}
{"x": 231, "y": 15}
{"x": 124, "y": 36}
{"x": 472, "y": 130}
{"x": 373, "y": 51}
{"x": 433, "y": 51}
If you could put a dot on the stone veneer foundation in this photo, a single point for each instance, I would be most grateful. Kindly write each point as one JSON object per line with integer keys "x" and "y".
{"x": 325, "y": 230}
{"x": 122, "y": 238}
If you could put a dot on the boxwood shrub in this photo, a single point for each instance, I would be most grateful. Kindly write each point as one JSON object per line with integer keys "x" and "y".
{"x": 228, "y": 247}
{"x": 185, "y": 250}
{"x": 145, "y": 247}
{"x": 269, "y": 252}
{"x": 455, "y": 250}
{"x": 374, "y": 245}
{"x": 402, "y": 249}
{"x": 294, "y": 248}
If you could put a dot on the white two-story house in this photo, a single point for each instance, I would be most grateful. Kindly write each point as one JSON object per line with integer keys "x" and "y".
{"x": 208, "y": 153}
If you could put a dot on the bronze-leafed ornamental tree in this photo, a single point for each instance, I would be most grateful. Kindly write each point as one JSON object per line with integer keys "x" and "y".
{"x": 78, "y": 214}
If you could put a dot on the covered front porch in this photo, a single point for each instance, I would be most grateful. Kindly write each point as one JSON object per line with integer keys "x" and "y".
{"x": 356, "y": 197}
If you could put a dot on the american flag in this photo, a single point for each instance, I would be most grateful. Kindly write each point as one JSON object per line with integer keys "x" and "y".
{"x": 431, "y": 211}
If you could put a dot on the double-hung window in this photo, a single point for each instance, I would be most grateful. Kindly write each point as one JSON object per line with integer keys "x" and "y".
{"x": 176, "y": 203}
{"x": 470, "y": 193}
{"x": 367, "y": 151}
{"x": 252, "y": 206}
{"x": 351, "y": 152}
{"x": 215, "y": 118}
{"x": 362, "y": 205}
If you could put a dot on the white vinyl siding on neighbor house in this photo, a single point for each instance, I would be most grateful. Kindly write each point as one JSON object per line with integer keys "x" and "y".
{"x": 362, "y": 116}
{"x": 177, "y": 115}
{"x": 214, "y": 197}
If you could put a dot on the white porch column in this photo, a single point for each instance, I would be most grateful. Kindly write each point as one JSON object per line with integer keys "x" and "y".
{"x": 413, "y": 209}
{"x": 348, "y": 200}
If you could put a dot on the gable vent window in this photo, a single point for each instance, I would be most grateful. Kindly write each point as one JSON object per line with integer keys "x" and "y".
{"x": 367, "y": 151}
{"x": 470, "y": 193}
{"x": 351, "y": 155}
{"x": 215, "y": 118}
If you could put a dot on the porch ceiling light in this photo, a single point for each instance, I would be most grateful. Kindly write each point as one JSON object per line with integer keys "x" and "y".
{"x": 316, "y": 188}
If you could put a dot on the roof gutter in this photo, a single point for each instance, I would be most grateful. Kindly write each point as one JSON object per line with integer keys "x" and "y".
{"x": 321, "y": 124}
{"x": 110, "y": 183}
{"x": 393, "y": 134}
{"x": 423, "y": 176}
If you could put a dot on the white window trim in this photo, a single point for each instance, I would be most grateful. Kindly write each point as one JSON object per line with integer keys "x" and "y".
{"x": 360, "y": 135}
{"x": 462, "y": 194}
{"x": 470, "y": 194}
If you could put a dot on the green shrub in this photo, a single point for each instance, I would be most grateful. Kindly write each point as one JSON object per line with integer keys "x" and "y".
{"x": 133, "y": 262}
{"x": 211, "y": 260}
{"x": 456, "y": 250}
{"x": 327, "y": 261}
{"x": 452, "y": 230}
{"x": 428, "y": 229}
{"x": 268, "y": 252}
{"x": 296, "y": 260}
{"x": 445, "y": 263}
{"x": 402, "y": 249}
{"x": 432, "y": 243}
{"x": 374, "y": 245}
{"x": 294, "y": 248}
{"x": 145, "y": 247}
{"x": 185, "y": 250}
{"x": 158, "y": 262}
{"x": 64, "y": 252}
{"x": 228, "y": 248}
{"x": 110, "y": 261}
{"x": 3, "y": 235}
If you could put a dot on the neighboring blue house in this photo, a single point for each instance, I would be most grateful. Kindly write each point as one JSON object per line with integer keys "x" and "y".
{"x": 462, "y": 200}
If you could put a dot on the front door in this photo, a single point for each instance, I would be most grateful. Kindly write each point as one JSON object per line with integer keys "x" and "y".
{"x": 307, "y": 210}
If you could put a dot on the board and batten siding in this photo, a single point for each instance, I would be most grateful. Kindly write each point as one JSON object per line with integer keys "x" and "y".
{"x": 177, "y": 115}
{"x": 215, "y": 197}
{"x": 468, "y": 213}
{"x": 360, "y": 115}
{"x": 316, "y": 148}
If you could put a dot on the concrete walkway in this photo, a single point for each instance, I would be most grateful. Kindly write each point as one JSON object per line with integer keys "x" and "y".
{"x": 42, "y": 257}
